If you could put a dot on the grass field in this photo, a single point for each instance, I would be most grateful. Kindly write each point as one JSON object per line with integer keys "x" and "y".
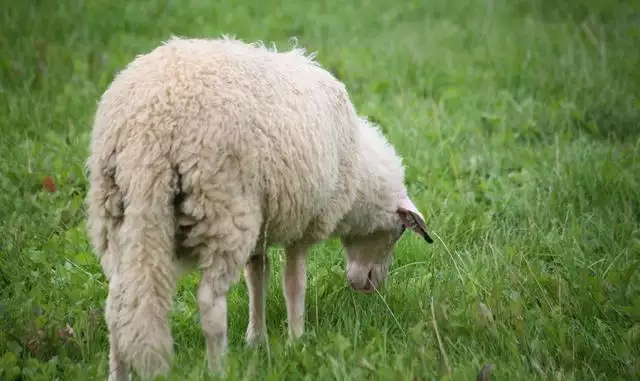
{"x": 519, "y": 122}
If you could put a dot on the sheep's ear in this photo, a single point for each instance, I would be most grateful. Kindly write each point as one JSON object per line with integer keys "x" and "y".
{"x": 412, "y": 218}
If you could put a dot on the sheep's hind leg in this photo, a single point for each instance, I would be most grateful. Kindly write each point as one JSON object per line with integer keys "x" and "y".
{"x": 220, "y": 263}
{"x": 212, "y": 301}
{"x": 294, "y": 281}
{"x": 256, "y": 275}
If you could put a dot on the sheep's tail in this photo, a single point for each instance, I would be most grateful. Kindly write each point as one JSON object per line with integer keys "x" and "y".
{"x": 146, "y": 278}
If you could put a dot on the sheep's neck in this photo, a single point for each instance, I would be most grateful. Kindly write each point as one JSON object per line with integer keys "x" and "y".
{"x": 373, "y": 203}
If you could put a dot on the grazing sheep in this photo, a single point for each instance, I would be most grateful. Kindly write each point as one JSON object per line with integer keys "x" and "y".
{"x": 204, "y": 153}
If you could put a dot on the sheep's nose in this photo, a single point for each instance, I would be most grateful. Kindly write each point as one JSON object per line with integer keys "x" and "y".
{"x": 365, "y": 286}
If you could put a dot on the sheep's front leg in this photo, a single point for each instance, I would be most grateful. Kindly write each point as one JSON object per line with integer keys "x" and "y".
{"x": 294, "y": 286}
{"x": 256, "y": 275}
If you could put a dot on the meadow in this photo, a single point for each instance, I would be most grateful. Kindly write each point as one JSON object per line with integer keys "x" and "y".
{"x": 519, "y": 124}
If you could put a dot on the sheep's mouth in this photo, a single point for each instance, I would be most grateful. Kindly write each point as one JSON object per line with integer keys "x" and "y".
{"x": 369, "y": 286}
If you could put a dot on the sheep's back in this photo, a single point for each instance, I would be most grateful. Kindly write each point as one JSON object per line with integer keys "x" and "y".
{"x": 274, "y": 127}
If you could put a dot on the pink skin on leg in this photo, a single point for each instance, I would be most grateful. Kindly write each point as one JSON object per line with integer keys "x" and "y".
{"x": 294, "y": 283}
{"x": 256, "y": 275}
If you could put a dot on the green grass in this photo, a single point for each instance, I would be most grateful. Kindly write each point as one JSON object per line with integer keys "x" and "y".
{"x": 519, "y": 122}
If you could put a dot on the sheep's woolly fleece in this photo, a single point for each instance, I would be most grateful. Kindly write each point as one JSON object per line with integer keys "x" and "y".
{"x": 205, "y": 151}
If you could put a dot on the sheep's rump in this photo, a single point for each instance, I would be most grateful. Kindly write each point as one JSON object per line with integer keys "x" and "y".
{"x": 259, "y": 134}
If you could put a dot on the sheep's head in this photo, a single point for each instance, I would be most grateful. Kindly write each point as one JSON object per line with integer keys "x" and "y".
{"x": 369, "y": 257}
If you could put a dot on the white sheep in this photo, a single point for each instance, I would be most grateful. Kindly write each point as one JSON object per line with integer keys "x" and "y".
{"x": 206, "y": 152}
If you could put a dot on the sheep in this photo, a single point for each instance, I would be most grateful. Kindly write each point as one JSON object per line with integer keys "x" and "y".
{"x": 206, "y": 152}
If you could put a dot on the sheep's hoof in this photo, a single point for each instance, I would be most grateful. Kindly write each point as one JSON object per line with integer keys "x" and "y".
{"x": 292, "y": 342}
{"x": 216, "y": 365}
{"x": 254, "y": 339}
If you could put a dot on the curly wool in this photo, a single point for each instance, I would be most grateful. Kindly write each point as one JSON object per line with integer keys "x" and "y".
{"x": 204, "y": 149}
